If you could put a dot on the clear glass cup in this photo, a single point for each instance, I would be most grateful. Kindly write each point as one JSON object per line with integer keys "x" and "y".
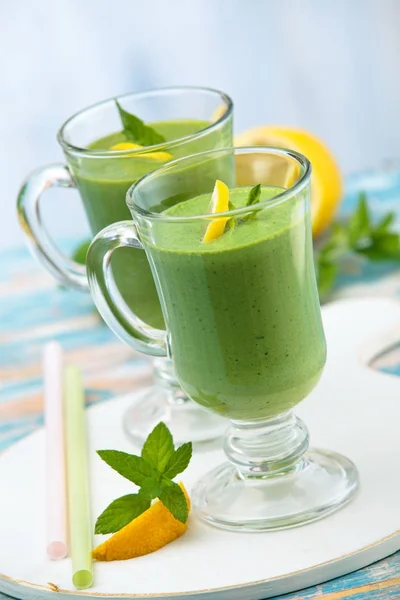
{"x": 244, "y": 326}
{"x": 193, "y": 119}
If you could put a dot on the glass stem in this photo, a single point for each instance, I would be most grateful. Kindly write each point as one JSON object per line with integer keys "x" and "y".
{"x": 267, "y": 448}
{"x": 164, "y": 375}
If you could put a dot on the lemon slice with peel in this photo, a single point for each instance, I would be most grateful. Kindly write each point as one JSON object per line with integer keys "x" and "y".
{"x": 152, "y": 155}
{"x": 219, "y": 203}
{"x": 150, "y": 531}
{"x": 326, "y": 181}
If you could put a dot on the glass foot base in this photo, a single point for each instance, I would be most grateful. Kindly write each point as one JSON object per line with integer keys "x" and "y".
{"x": 187, "y": 421}
{"x": 317, "y": 485}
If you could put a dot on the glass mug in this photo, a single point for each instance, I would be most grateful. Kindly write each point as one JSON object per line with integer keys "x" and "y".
{"x": 243, "y": 323}
{"x": 193, "y": 119}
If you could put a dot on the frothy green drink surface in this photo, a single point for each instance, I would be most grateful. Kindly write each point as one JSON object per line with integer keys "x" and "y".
{"x": 243, "y": 310}
{"x": 103, "y": 183}
{"x": 267, "y": 223}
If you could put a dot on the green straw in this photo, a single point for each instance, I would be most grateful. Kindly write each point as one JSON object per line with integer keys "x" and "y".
{"x": 78, "y": 488}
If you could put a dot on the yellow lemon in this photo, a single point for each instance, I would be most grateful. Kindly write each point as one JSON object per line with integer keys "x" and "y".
{"x": 326, "y": 182}
{"x": 219, "y": 203}
{"x": 152, "y": 155}
{"x": 150, "y": 531}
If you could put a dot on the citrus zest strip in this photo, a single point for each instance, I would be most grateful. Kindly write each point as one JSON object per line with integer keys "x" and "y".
{"x": 219, "y": 203}
{"x": 154, "y": 528}
{"x": 151, "y": 155}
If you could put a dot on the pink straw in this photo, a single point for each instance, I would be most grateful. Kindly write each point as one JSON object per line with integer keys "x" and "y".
{"x": 57, "y": 547}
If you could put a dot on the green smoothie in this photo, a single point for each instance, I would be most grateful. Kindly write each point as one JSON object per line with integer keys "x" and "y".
{"x": 103, "y": 182}
{"x": 243, "y": 311}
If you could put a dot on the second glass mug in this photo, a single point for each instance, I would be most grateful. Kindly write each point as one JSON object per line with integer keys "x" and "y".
{"x": 243, "y": 322}
{"x": 192, "y": 119}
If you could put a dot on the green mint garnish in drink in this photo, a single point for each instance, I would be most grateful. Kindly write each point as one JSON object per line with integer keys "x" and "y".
{"x": 153, "y": 473}
{"x": 253, "y": 198}
{"x": 137, "y": 131}
{"x": 254, "y": 195}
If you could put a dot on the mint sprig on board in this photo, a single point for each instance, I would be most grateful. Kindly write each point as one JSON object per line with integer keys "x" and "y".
{"x": 358, "y": 236}
{"x": 137, "y": 131}
{"x": 153, "y": 473}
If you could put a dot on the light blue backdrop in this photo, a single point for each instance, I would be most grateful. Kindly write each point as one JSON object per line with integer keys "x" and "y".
{"x": 329, "y": 66}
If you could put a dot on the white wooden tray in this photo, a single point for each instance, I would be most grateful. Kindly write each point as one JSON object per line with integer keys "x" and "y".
{"x": 354, "y": 410}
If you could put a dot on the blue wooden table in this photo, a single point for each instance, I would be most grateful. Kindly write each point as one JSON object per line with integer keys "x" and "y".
{"x": 34, "y": 310}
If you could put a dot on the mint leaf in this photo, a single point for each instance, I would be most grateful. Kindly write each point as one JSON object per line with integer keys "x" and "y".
{"x": 132, "y": 467}
{"x": 336, "y": 245}
{"x": 174, "y": 499}
{"x": 388, "y": 244}
{"x": 254, "y": 195}
{"x": 80, "y": 252}
{"x": 326, "y": 276}
{"x": 385, "y": 247}
{"x": 121, "y": 512}
{"x": 179, "y": 460}
{"x": 159, "y": 447}
{"x": 360, "y": 222}
{"x": 137, "y": 131}
{"x": 253, "y": 198}
{"x": 384, "y": 224}
{"x": 328, "y": 257}
{"x": 231, "y": 224}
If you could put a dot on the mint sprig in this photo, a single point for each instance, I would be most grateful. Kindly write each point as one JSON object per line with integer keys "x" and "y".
{"x": 358, "y": 236}
{"x": 153, "y": 473}
{"x": 254, "y": 195}
{"x": 253, "y": 198}
{"x": 137, "y": 131}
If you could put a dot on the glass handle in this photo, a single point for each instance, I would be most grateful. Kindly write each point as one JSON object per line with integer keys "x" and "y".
{"x": 61, "y": 267}
{"x": 123, "y": 322}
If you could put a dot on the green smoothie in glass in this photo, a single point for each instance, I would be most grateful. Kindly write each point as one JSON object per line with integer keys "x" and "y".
{"x": 246, "y": 332}
{"x": 108, "y": 147}
{"x": 234, "y": 269}
{"x": 103, "y": 186}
